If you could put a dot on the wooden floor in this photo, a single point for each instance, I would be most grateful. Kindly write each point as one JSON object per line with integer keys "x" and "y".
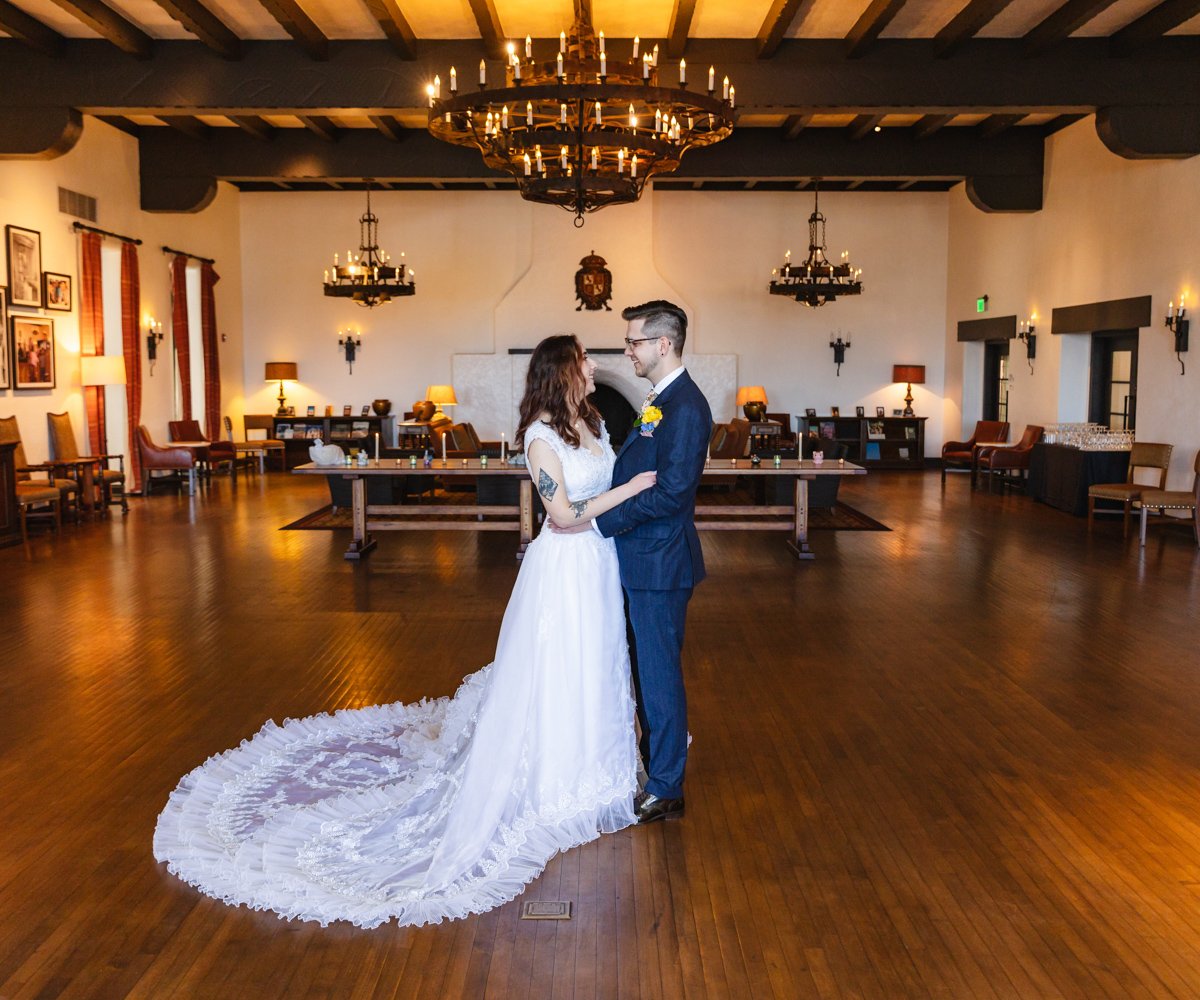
{"x": 960, "y": 759}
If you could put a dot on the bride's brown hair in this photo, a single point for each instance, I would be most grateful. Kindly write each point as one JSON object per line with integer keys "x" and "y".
{"x": 555, "y": 385}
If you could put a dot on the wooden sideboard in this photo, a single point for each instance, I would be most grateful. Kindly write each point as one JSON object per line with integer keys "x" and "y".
{"x": 10, "y": 525}
{"x": 356, "y": 431}
{"x": 876, "y": 442}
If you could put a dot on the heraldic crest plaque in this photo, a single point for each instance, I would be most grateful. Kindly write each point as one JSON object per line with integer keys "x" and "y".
{"x": 593, "y": 284}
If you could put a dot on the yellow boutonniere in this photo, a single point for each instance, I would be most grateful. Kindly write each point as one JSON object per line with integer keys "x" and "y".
{"x": 648, "y": 420}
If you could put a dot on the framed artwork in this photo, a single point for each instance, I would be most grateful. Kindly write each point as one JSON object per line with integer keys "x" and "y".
{"x": 366, "y": 410}
{"x": 859, "y": 411}
{"x": 56, "y": 291}
{"x": 312, "y": 410}
{"x": 32, "y": 352}
{"x": 5, "y": 353}
{"x": 879, "y": 411}
{"x": 835, "y": 411}
{"x": 810, "y": 412}
{"x": 346, "y": 410}
{"x": 24, "y": 266}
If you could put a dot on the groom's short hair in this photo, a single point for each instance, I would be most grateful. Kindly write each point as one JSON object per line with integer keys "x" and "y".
{"x": 662, "y": 319}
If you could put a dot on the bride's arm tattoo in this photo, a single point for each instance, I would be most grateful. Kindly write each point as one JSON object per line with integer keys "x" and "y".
{"x": 579, "y": 506}
{"x": 547, "y": 487}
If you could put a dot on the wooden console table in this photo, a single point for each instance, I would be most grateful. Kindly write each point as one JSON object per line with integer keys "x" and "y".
{"x": 520, "y": 517}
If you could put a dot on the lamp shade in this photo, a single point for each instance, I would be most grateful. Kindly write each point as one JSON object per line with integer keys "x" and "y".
{"x": 102, "y": 369}
{"x": 909, "y": 373}
{"x": 751, "y": 394}
{"x": 442, "y": 395}
{"x": 277, "y": 371}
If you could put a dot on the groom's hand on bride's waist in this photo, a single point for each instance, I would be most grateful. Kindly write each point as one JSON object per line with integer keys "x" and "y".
{"x": 573, "y": 529}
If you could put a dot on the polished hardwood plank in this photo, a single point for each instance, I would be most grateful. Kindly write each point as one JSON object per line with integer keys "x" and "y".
{"x": 958, "y": 759}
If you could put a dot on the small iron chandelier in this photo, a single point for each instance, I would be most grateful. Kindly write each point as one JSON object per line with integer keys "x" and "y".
{"x": 818, "y": 280}
{"x": 582, "y": 130}
{"x": 369, "y": 277}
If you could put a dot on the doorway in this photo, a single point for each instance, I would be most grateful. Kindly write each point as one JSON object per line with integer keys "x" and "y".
{"x": 1112, "y": 401}
{"x": 995, "y": 380}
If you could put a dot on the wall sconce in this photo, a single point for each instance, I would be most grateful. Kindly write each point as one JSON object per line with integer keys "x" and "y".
{"x": 154, "y": 336}
{"x": 1028, "y": 336}
{"x": 1178, "y": 323}
{"x": 350, "y": 343}
{"x": 840, "y": 347}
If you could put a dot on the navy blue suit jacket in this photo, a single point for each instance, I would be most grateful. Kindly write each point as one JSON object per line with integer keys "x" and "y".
{"x": 655, "y": 531}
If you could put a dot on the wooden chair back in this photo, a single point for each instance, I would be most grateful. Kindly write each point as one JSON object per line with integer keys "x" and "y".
{"x": 258, "y": 422}
{"x": 1152, "y": 457}
{"x": 185, "y": 430}
{"x": 228, "y": 427}
{"x": 62, "y": 437}
{"x": 9, "y": 432}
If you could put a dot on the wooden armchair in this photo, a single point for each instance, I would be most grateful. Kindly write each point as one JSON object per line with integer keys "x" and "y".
{"x": 112, "y": 481}
{"x": 159, "y": 459}
{"x": 33, "y": 493}
{"x": 1000, "y": 462}
{"x": 961, "y": 454}
{"x": 1143, "y": 455}
{"x": 265, "y": 424}
{"x": 1164, "y": 500}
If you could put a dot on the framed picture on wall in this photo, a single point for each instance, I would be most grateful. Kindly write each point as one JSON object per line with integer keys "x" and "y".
{"x": 32, "y": 352}
{"x": 5, "y": 353}
{"x": 56, "y": 289}
{"x": 24, "y": 266}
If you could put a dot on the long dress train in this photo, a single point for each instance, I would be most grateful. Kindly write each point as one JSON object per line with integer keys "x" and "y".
{"x": 440, "y": 808}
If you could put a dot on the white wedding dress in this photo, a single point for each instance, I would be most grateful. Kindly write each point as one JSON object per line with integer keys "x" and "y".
{"x": 441, "y": 808}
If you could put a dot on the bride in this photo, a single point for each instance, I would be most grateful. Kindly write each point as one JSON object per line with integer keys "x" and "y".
{"x": 448, "y": 807}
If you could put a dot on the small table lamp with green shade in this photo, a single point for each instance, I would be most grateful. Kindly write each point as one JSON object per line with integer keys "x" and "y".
{"x": 912, "y": 374}
{"x": 281, "y": 371}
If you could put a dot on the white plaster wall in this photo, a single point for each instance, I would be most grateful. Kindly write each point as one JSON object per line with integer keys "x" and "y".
{"x": 1110, "y": 228}
{"x": 494, "y": 272}
{"x": 104, "y": 164}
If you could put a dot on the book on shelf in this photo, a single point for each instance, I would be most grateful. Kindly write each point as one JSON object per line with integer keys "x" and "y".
{"x": 827, "y": 429}
{"x": 872, "y": 451}
{"x": 902, "y": 452}
{"x": 338, "y": 433}
{"x": 283, "y": 431}
{"x": 313, "y": 432}
{"x": 360, "y": 428}
{"x": 910, "y": 433}
{"x": 875, "y": 430}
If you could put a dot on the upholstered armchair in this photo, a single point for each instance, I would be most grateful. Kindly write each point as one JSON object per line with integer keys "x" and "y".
{"x": 731, "y": 440}
{"x": 219, "y": 452}
{"x": 159, "y": 459}
{"x": 1143, "y": 456}
{"x": 33, "y": 492}
{"x": 112, "y": 481}
{"x": 1000, "y": 462}
{"x": 961, "y": 454}
{"x": 265, "y": 424}
{"x": 1181, "y": 500}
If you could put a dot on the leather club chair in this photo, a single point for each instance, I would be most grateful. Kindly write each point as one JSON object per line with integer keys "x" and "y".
{"x": 999, "y": 462}
{"x": 219, "y": 452}
{"x": 159, "y": 459}
{"x": 961, "y": 454}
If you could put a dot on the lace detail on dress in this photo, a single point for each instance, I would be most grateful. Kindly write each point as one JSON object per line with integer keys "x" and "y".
{"x": 586, "y": 474}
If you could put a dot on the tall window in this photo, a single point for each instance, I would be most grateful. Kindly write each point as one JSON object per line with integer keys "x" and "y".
{"x": 995, "y": 380}
{"x": 1113, "y": 398}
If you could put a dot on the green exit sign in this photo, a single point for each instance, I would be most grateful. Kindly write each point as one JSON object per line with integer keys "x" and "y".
{"x": 981, "y": 304}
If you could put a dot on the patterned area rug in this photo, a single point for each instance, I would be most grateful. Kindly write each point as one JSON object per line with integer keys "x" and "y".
{"x": 840, "y": 517}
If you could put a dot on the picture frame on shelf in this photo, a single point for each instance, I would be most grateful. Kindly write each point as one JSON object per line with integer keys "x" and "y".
{"x": 291, "y": 411}
{"x": 56, "y": 291}
{"x": 346, "y": 410}
{"x": 879, "y": 411}
{"x": 810, "y": 412}
{"x": 366, "y": 410}
{"x": 827, "y": 429}
{"x": 875, "y": 430}
{"x": 860, "y": 411}
{"x": 24, "y": 250}
{"x": 835, "y": 411}
{"x": 897, "y": 413}
{"x": 329, "y": 409}
{"x": 5, "y": 353}
{"x": 32, "y": 340}
{"x": 312, "y": 409}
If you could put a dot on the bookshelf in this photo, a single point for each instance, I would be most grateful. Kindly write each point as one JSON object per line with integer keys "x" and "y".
{"x": 876, "y": 442}
{"x": 300, "y": 433}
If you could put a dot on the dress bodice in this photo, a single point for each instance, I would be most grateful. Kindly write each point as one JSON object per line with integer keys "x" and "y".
{"x": 586, "y": 474}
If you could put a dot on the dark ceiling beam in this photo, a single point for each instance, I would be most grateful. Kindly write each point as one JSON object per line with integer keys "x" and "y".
{"x": 38, "y": 133}
{"x": 110, "y": 26}
{"x": 121, "y": 123}
{"x": 1058, "y": 123}
{"x": 30, "y": 30}
{"x": 927, "y": 125}
{"x": 205, "y": 25}
{"x": 175, "y": 168}
{"x": 255, "y": 126}
{"x": 1144, "y": 133}
{"x": 490, "y": 31}
{"x": 299, "y": 25}
{"x": 869, "y": 26}
{"x": 388, "y": 127}
{"x": 779, "y": 19}
{"x": 794, "y": 125}
{"x": 320, "y": 126}
{"x": 1155, "y": 23}
{"x": 681, "y": 24}
{"x": 1060, "y": 25}
{"x": 188, "y": 125}
{"x": 993, "y": 125}
{"x": 965, "y": 24}
{"x": 862, "y": 125}
{"x": 395, "y": 25}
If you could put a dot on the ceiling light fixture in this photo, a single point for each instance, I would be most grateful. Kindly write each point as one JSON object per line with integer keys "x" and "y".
{"x": 583, "y": 130}
{"x": 369, "y": 277}
{"x": 818, "y": 280}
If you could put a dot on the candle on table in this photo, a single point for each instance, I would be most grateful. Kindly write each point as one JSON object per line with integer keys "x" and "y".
{"x": 376, "y": 447}
{"x": 503, "y": 449}
{"x": 443, "y": 451}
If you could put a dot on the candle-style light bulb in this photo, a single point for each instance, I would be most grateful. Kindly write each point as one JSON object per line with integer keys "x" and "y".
{"x": 633, "y": 166}
{"x": 504, "y": 118}
{"x": 437, "y": 87}
{"x": 732, "y": 97}
{"x": 645, "y": 65}
{"x": 620, "y": 161}
{"x": 599, "y": 118}
{"x": 602, "y": 43}
{"x": 453, "y": 80}
{"x": 725, "y": 89}
{"x": 562, "y": 114}
{"x": 603, "y": 64}
{"x": 562, "y": 157}
{"x": 562, "y": 41}
{"x": 559, "y": 72}
{"x": 595, "y": 158}
{"x": 527, "y": 168}
{"x": 482, "y": 73}
{"x": 712, "y": 78}
{"x": 655, "y": 56}
{"x": 632, "y": 117}
{"x": 682, "y": 72}
{"x": 528, "y": 47}
{"x": 636, "y": 42}
{"x": 429, "y": 92}
{"x": 529, "y": 113}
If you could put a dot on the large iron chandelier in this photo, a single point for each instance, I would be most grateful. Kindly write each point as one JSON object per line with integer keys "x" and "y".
{"x": 587, "y": 128}
{"x": 369, "y": 277}
{"x": 818, "y": 280}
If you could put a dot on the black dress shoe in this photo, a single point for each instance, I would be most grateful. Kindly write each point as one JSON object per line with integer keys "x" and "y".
{"x": 650, "y": 808}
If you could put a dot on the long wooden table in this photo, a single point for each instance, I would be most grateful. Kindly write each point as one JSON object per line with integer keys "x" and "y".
{"x": 520, "y": 516}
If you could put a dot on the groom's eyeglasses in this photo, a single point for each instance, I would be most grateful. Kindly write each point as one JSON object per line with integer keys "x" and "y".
{"x": 639, "y": 340}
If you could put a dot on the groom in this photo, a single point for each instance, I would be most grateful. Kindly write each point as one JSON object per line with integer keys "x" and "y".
{"x": 657, "y": 545}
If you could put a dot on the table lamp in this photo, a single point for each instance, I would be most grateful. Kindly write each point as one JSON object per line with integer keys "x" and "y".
{"x": 100, "y": 370}
{"x": 441, "y": 395}
{"x": 912, "y": 374}
{"x": 753, "y": 401}
{"x": 281, "y": 371}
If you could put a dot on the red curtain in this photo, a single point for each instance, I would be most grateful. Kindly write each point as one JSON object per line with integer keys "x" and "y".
{"x": 179, "y": 333}
{"x": 212, "y": 359}
{"x": 131, "y": 308}
{"x": 91, "y": 335}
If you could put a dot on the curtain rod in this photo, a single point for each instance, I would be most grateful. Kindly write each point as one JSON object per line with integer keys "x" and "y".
{"x": 184, "y": 253}
{"x": 79, "y": 226}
